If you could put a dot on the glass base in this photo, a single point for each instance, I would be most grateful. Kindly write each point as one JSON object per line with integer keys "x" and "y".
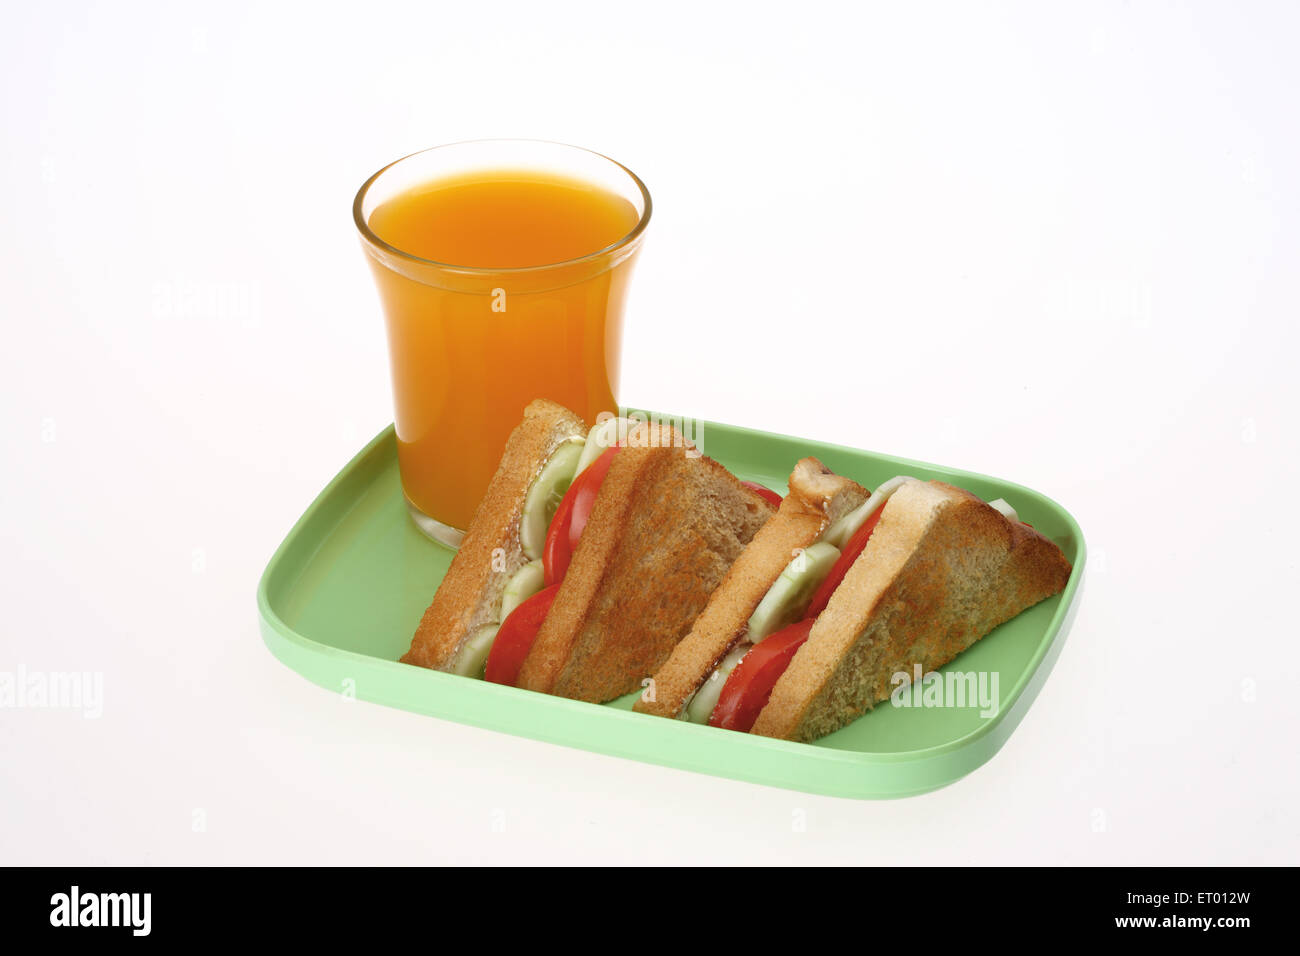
{"x": 435, "y": 529}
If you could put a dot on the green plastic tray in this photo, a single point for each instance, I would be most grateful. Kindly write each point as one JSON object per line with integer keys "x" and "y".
{"x": 342, "y": 595}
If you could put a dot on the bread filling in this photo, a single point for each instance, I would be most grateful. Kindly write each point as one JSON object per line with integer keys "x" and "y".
{"x": 788, "y": 599}
{"x": 523, "y": 556}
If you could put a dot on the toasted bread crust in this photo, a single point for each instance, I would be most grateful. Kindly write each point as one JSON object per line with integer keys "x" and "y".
{"x": 816, "y": 497}
{"x": 470, "y": 593}
{"x": 663, "y": 531}
{"x": 941, "y": 570}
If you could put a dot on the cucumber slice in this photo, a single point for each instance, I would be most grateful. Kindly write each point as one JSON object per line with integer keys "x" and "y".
{"x": 471, "y": 659}
{"x": 1001, "y": 505}
{"x": 788, "y": 598}
{"x": 603, "y": 436}
{"x": 526, "y": 582}
{"x": 839, "y": 533}
{"x": 701, "y": 705}
{"x": 544, "y": 496}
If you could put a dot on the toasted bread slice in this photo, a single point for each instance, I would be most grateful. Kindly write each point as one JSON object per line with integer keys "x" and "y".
{"x": 941, "y": 570}
{"x": 663, "y": 531}
{"x": 470, "y": 593}
{"x": 817, "y": 497}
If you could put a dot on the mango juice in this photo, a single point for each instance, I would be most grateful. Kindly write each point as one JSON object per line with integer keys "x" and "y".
{"x": 499, "y": 287}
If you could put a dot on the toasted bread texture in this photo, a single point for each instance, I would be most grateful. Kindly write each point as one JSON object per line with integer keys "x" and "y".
{"x": 470, "y": 593}
{"x": 665, "y": 528}
{"x": 941, "y": 570}
{"x": 817, "y": 497}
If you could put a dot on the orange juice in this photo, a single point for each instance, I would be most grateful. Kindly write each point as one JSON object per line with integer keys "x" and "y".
{"x": 499, "y": 286}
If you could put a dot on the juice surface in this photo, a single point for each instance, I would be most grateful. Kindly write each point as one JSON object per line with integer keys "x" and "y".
{"x": 465, "y": 363}
{"x": 503, "y": 220}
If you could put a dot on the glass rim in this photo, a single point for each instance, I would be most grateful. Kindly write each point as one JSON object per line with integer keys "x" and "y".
{"x": 370, "y": 236}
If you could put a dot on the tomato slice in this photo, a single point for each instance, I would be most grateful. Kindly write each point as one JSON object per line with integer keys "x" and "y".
{"x": 750, "y": 685}
{"x": 571, "y": 518}
{"x": 588, "y": 487}
{"x": 767, "y": 493}
{"x": 515, "y": 638}
{"x": 853, "y": 548}
{"x": 556, "y": 551}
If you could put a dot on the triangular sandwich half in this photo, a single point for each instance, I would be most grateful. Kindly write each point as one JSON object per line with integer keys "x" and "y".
{"x": 470, "y": 595}
{"x": 666, "y": 527}
{"x": 941, "y": 570}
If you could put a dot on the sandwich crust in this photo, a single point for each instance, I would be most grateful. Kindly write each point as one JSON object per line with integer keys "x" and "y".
{"x": 665, "y": 528}
{"x": 470, "y": 593}
{"x": 942, "y": 569}
{"x": 817, "y": 497}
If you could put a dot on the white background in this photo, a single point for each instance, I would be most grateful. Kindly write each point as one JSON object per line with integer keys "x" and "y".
{"x": 1054, "y": 245}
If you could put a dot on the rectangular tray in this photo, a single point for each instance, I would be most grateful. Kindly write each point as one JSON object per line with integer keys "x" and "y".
{"x": 342, "y": 595}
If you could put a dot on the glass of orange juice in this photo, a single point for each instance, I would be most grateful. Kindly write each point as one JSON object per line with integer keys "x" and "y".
{"x": 502, "y": 268}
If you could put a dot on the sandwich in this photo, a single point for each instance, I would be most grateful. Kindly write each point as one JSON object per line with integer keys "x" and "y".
{"x": 765, "y": 590}
{"x": 589, "y": 557}
{"x": 806, "y": 641}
